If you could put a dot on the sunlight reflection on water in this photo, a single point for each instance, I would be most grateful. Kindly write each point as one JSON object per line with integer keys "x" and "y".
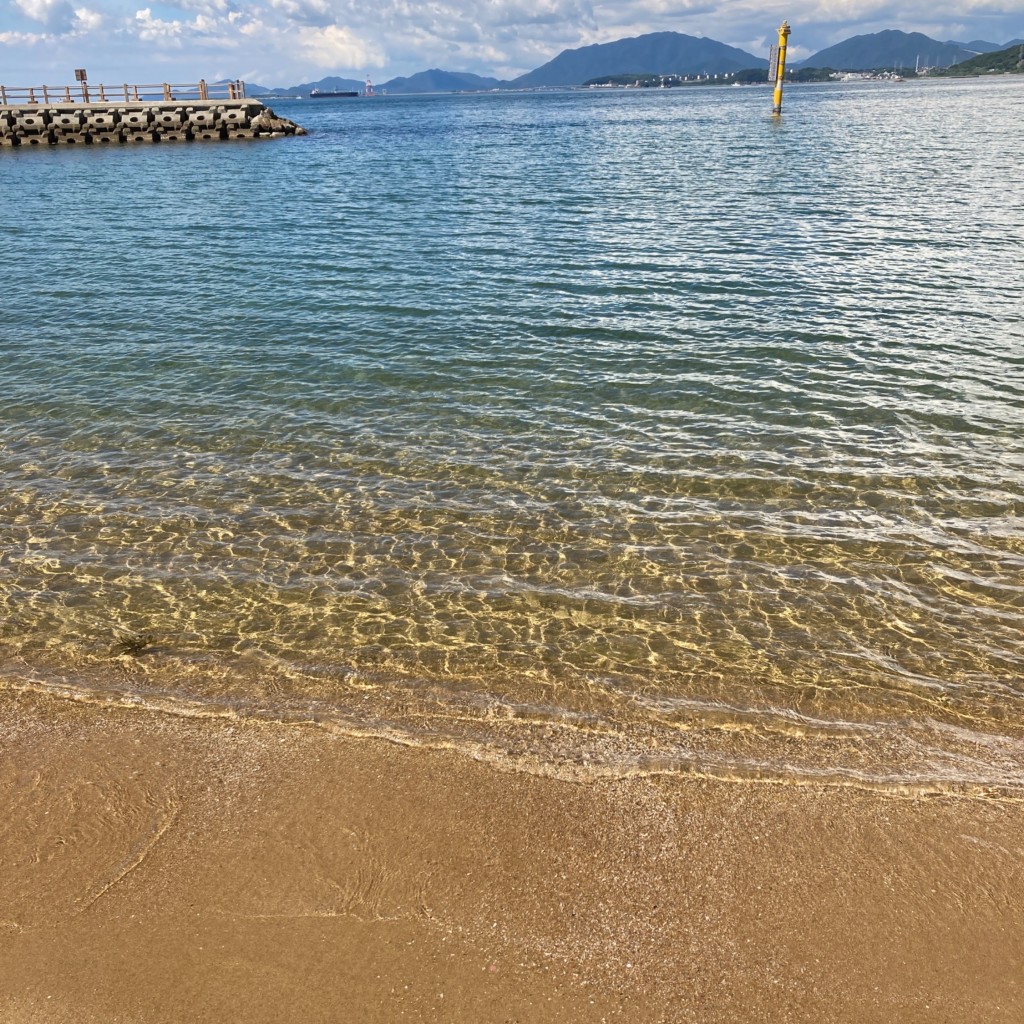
{"x": 621, "y": 429}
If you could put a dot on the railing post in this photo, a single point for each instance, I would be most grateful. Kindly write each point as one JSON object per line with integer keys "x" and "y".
{"x": 202, "y": 89}
{"x": 231, "y": 90}
{"x": 241, "y": 89}
{"x": 67, "y": 93}
{"x": 85, "y": 92}
{"x": 46, "y": 94}
{"x": 3, "y": 96}
{"x": 126, "y": 92}
{"x": 167, "y": 92}
{"x": 103, "y": 95}
{"x": 135, "y": 89}
{"x": 31, "y": 95}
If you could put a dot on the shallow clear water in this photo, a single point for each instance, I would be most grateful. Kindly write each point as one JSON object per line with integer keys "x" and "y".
{"x": 638, "y": 431}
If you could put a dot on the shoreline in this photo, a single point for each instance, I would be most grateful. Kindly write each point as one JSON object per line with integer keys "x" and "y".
{"x": 164, "y": 869}
{"x": 757, "y": 745}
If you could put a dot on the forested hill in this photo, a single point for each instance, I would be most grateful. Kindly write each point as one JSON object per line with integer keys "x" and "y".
{"x": 1009, "y": 60}
{"x": 666, "y": 53}
{"x": 887, "y": 49}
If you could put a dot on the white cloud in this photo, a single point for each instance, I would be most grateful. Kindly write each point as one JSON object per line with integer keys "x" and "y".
{"x": 57, "y": 15}
{"x": 336, "y": 47}
{"x": 205, "y": 6}
{"x": 153, "y": 30}
{"x": 283, "y": 42}
{"x": 306, "y": 12}
{"x": 87, "y": 21}
{"x": 205, "y": 30}
{"x": 24, "y": 39}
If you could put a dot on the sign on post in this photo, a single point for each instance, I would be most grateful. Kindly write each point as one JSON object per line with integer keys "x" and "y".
{"x": 80, "y": 75}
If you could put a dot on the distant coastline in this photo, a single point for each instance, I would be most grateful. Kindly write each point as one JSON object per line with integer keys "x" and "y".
{"x": 692, "y": 60}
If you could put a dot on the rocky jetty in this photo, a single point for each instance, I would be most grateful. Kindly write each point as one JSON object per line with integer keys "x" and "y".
{"x": 54, "y": 124}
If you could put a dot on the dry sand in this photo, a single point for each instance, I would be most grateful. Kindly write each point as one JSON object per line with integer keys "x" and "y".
{"x": 154, "y": 868}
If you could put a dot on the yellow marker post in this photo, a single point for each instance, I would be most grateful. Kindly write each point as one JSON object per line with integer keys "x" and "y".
{"x": 779, "y": 66}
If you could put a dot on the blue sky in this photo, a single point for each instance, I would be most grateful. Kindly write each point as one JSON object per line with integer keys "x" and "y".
{"x": 284, "y": 42}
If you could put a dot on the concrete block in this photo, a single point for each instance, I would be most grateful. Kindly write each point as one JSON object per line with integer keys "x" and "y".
{"x": 69, "y": 139}
{"x": 6, "y": 141}
{"x": 169, "y": 119}
{"x": 235, "y": 116}
{"x": 165, "y": 136}
{"x": 101, "y": 121}
{"x": 30, "y": 122}
{"x": 205, "y": 134}
{"x": 133, "y": 136}
{"x": 203, "y": 119}
{"x": 136, "y": 120}
{"x": 241, "y": 133}
{"x": 65, "y": 120}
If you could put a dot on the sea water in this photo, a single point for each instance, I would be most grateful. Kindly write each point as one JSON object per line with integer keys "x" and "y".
{"x": 600, "y": 431}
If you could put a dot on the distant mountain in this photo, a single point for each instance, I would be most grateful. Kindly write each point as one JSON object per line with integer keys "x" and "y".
{"x": 664, "y": 53}
{"x": 1003, "y": 61}
{"x": 977, "y": 45}
{"x": 669, "y": 53}
{"x": 436, "y": 80}
{"x": 980, "y": 46}
{"x": 330, "y": 84}
{"x": 887, "y": 49}
{"x": 251, "y": 89}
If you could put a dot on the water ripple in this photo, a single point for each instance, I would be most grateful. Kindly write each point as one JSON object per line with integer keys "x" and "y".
{"x": 633, "y": 430}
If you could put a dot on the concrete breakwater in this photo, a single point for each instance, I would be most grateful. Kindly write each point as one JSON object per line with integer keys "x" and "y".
{"x": 54, "y": 124}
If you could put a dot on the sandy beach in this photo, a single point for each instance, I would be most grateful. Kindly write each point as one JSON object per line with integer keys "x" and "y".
{"x": 155, "y": 868}
{"x": 517, "y": 556}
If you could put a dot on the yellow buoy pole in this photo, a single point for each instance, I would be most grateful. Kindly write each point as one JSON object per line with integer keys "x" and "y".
{"x": 780, "y": 68}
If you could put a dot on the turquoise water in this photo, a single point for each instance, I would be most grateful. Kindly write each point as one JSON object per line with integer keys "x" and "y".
{"x": 586, "y": 432}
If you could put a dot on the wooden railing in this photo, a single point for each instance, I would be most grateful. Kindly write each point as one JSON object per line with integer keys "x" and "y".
{"x": 83, "y": 92}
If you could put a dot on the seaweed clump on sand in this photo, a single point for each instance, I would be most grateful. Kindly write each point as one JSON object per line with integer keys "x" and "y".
{"x": 134, "y": 645}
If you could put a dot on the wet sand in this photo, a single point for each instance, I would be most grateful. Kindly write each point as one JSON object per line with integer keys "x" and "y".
{"x": 155, "y": 868}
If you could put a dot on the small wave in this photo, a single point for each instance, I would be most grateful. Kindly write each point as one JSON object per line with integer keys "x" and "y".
{"x": 919, "y": 759}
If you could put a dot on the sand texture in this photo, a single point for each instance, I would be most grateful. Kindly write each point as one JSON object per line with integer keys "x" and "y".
{"x": 155, "y": 868}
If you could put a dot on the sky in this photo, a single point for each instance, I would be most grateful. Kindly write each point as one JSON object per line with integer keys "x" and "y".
{"x": 287, "y": 42}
